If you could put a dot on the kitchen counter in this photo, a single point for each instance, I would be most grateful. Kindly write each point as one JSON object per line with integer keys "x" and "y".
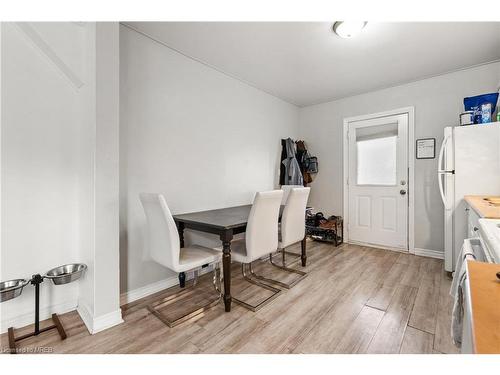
{"x": 485, "y": 300}
{"x": 482, "y": 207}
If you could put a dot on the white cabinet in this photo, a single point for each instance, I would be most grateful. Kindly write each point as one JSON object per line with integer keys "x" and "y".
{"x": 472, "y": 223}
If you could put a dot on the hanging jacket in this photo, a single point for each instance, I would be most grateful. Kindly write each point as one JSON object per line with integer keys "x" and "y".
{"x": 282, "y": 165}
{"x": 302, "y": 156}
{"x": 293, "y": 174}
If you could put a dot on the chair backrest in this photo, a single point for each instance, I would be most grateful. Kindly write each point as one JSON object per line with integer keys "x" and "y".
{"x": 262, "y": 227}
{"x": 293, "y": 225}
{"x": 164, "y": 243}
{"x": 286, "y": 192}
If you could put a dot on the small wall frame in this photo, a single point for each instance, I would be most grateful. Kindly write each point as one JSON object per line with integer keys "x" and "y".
{"x": 425, "y": 148}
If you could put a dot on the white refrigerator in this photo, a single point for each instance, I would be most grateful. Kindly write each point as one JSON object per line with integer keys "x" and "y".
{"x": 468, "y": 164}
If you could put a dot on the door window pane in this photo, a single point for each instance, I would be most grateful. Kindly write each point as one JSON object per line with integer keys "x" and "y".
{"x": 377, "y": 161}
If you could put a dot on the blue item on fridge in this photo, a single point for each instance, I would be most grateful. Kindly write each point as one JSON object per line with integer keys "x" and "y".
{"x": 486, "y": 113}
{"x": 483, "y": 107}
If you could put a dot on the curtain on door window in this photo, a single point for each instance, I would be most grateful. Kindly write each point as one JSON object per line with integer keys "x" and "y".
{"x": 377, "y": 155}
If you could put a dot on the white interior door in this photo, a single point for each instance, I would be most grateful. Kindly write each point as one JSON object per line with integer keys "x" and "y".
{"x": 378, "y": 181}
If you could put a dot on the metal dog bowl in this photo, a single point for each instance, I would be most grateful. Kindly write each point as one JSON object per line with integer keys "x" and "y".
{"x": 11, "y": 289}
{"x": 66, "y": 274}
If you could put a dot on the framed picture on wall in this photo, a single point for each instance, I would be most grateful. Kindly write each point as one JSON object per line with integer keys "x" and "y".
{"x": 426, "y": 148}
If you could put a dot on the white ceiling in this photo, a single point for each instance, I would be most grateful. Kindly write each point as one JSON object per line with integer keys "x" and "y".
{"x": 306, "y": 63}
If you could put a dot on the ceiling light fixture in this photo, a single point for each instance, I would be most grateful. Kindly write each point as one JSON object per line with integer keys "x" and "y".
{"x": 348, "y": 29}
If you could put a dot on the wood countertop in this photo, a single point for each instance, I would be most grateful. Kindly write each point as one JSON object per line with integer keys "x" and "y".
{"x": 485, "y": 299}
{"x": 486, "y": 206}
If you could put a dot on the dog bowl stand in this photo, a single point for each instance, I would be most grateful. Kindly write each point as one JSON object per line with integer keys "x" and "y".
{"x": 36, "y": 280}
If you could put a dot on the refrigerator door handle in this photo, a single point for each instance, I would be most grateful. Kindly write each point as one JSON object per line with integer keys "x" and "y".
{"x": 441, "y": 152}
{"x": 441, "y": 190}
{"x": 442, "y": 172}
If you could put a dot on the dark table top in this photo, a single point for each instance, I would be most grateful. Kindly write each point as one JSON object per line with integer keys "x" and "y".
{"x": 222, "y": 218}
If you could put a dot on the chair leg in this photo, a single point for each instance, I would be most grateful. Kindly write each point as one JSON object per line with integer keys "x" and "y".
{"x": 301, "y": 274}
{"x": 217, "y": 279}
{"x": 284, "y": 253}
{"x": 154, "y": 307}
{"x": 257, "y": 307}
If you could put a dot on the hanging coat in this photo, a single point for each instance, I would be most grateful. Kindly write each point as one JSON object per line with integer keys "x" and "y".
{"x": 282, "y": 165}
{"x": 302, "y": 156}
{"x": 293, "y": 174}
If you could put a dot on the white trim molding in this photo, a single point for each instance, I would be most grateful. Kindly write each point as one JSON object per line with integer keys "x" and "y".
{"x": 147, "y": 290}
{"x": 410, "y": 111}
{"x": 34, "y": 37}
{"x": 86, "y": 316}
{"x": 28, "y": 318}
{"x": 429, "y": 253}
{"x": 107, "y": 321}
{"x": 99, "y": 323}
{"x": 158, "y": 286}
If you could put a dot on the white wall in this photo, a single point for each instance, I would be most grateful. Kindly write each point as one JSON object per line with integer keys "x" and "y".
{"x": 201, "y": 138}
{"x": 59, "y": 160}
{"x": 40, "y": 126}
{"x": 437, "y": 102}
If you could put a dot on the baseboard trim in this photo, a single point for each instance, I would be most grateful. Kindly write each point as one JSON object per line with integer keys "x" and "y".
{"x": 100, "y": 323}
{"x": 429, "y": 253}
{"x": 107, "y": 321}
{"x": 86, "y": 316}
{"x": 28, "y": 318}
{"x": 158, "y": 286}
{"x": 147, "y": 290}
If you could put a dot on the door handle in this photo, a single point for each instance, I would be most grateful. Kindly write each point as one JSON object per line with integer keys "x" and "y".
{"x": 402, "y": 192}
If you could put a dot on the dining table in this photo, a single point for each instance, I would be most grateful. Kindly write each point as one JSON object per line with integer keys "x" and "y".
{"x": 224, "y": 222}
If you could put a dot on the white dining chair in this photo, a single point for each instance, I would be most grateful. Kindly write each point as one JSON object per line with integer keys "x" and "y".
{"x": 292, "y": 231}
{"x": 286, "y": 192}
{"x": 261, "y": 239}
{"x": 164, "y": 246}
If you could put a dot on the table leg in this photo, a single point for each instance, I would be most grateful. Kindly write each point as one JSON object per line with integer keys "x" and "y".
{"x": 180, "y": 229}
{"x": 303, "y": 255}
{"x": 182, "y": 275}
{"x": 182, "y": 279}
{"x": 226, "y": 238}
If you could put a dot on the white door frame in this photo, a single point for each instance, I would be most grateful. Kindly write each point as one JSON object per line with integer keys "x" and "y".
{"x": 410, "y": 111}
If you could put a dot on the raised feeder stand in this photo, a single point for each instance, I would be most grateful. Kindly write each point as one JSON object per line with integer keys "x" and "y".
{"x": 13, "y": 288}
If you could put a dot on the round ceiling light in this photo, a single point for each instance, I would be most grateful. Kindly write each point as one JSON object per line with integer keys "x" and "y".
{"x": 348, "y": 29}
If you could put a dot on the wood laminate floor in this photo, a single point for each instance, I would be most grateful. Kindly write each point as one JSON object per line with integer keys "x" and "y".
{"x": 354, "y": 300}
